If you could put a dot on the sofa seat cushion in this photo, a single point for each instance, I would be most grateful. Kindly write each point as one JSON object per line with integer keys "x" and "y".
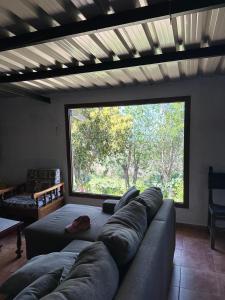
{"x": 41, "y": 286}
{"x": 131, "y": 193}
{"x": 124, "y": 231}
{"x": 94, "y": 276}
{"x": 26, "y": 201}
{"x": 76, "y": 246}
{"x": 152, "y": 199}
{"x": 35, "y": 268}
{"x": 48, "y": 234}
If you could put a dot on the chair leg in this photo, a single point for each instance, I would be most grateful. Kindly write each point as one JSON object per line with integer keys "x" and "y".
{"x": 209, "y": 221}
{"x": 212, "y": 232}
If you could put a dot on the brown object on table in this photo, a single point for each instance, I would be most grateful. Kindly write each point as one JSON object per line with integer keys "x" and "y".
{"x": 6, "y": 227}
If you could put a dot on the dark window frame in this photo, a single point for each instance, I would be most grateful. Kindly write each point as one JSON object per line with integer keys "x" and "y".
{"x": 187, "y": 102}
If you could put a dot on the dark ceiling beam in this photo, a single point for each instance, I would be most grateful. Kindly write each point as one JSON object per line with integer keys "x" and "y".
{"x": 21, "y": 92}
{"x": 153, "y": 12}
{"x": 213, "y": 51}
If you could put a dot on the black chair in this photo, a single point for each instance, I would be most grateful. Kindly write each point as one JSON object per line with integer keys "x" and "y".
{"x": 216, "y": 181}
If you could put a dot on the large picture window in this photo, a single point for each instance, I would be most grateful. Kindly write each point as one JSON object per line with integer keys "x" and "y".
{"x": 112, "y": 146}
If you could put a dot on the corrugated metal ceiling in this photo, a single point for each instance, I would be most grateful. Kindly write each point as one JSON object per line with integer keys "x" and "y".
{"x": 183, "y": 32}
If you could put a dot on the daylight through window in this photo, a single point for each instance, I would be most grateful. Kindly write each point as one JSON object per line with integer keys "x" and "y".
{"x": 115, "y": 147}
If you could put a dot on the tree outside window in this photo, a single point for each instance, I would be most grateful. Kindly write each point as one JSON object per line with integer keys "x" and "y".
{"x": 115, "y": 147}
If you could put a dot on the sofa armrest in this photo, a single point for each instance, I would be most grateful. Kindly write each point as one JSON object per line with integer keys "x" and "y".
{"x": 4, "y": 193}
{"x": 53, "y": 188}
{"x": 7, "y": 190}
{"x": 108, "y": 206}
{"x": 19, "y": 188}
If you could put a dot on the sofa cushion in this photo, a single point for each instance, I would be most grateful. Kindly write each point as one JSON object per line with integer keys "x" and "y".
{"x": 124, "y": 231}
{"x": 35, "y": 268}
{"x": 51, "y": 229}
{"x": 26, "y": 201}
{"x": 150, "y": 271}
{"x": 94, "y": 276}
{"x": 41, "y": 286}
{"x": 76, "y": 246}
{"x": 152, "y": 199}
{"x": 131, "y": 193}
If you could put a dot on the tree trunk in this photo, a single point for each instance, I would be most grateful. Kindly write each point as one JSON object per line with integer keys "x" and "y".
{"x": 77, "y": 176}
{"x": 135, "y": 174}
{"x": 126, "y": 175}
{"x": 136, "y": 159}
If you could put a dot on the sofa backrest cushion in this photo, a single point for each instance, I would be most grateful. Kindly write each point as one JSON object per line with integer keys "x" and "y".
{"x": 41, "y": 286}
{"x": 131, "y": 193}
{"x": 36, "y": 267}
{"x": 123, "y": 232}
{"x": 94, "y": 276}
{"x": 152, "y": 199}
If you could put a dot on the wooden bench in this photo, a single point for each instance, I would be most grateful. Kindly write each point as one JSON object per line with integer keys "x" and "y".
{"x": 30, "y": 207}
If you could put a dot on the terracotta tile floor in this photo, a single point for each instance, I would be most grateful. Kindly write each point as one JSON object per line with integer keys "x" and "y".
{"x": 8, "y": 261}
{"x": 199, "y": 272}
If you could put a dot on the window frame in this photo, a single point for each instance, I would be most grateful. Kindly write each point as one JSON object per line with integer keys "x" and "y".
{"x": 187, "y": 103}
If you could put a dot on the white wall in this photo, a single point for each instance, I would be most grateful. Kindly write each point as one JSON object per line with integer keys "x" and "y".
{"x": 32, "y": 134}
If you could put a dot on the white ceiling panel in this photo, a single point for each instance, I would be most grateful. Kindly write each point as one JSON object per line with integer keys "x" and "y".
{"x": 191, "y": 31}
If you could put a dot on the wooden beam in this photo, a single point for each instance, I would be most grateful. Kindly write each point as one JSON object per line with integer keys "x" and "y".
{"x": 145, "y": 14}
{"x": 213, "y": 51}
{"x": 21, "y": 92}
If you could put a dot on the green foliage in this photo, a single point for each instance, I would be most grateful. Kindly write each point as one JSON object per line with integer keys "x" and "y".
{"x": 178, "y": 190}
{"x": 116, "y": 147}
{"x": 98, "y": 134}
{"x": 105, "y": 185}
{"x": 142, "y": 184}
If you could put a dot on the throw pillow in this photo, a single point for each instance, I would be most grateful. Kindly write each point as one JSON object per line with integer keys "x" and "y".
{"x": 131, "y": 193}
{"x": 152, "y": 199}
{"x": 94, "y": 276}
{"x": 123, "y": 232}
{"x": 35, "y": 268}
{"x": 41, "y": 286}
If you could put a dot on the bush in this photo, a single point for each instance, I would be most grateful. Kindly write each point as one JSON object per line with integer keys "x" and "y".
{"x": 178, "y": 190}
{"x": 115, "y": 186}
{"x": 105, "y": 185}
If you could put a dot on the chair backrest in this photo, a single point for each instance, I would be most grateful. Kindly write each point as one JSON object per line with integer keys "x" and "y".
{"x": 40, "y": 179}
{"x": 216, "y": 181}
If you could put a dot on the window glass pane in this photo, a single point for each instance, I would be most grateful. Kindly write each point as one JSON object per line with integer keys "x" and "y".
{"x": 115, "y": 147}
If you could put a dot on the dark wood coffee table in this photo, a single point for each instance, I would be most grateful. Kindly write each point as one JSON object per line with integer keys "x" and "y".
{"x": 6, "y": 227}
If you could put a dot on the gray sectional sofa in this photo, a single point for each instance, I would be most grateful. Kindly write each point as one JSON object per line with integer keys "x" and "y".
{"x": 48, "y": 234}
{"x": 148, "y": 273}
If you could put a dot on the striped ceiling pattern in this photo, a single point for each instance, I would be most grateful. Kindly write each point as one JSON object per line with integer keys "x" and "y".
{"x": 179, "y": 33}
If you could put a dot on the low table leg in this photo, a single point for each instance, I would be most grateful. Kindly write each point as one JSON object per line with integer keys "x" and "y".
{"x": 19, "y": 243}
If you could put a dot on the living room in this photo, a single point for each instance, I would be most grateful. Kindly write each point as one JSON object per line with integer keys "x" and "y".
{"x": 33, "y": 136}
